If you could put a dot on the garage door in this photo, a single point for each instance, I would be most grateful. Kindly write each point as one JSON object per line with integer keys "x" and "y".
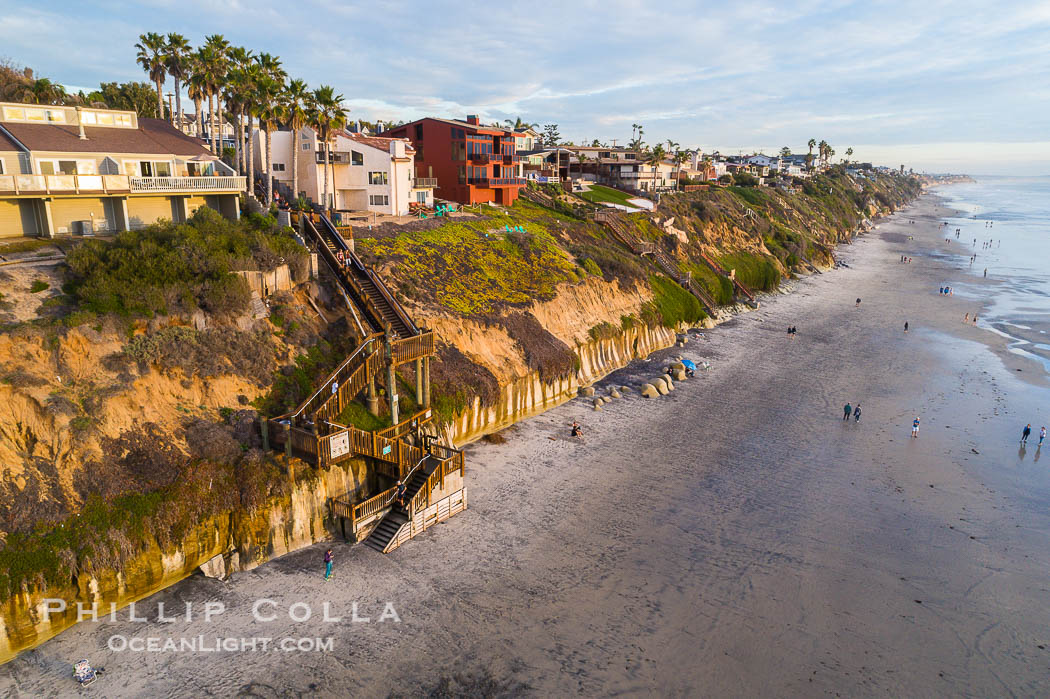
{"x": 11, "y": 219}
{"x": 143, "y": 211}
{"x": 67, "y": 213}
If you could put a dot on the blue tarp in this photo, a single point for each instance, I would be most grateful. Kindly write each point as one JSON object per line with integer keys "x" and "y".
{"x": 688, "y": 364}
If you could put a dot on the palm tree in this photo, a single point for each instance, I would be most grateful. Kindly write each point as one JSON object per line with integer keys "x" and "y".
{"x": 673, "y": 148}
{"x": 151, "y": 55}
{"x": 680, "y": 156}
{"x": 822, "y": 149}
{"x": 297, "y": 111}
{"x": 220, "y": 65}
{"x": 197, "y": 86}
{"x": 39, "y": 91}
{"x": 269, "y": 103}
{"x": 329, "y": 115}
{"x": 634, "y": 127}
{"x": 849, "y": 153}
{"x": 581, "y": 157}
{"x": 176, "y": 61}
{"x": 809, "y": 158}
{"x": 238, "y": 87}
{"x": 656, "y": 156}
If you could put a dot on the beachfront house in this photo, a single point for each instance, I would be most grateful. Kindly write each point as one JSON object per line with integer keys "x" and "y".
{"x": 78, "y": 170}
{"x": 366, "y": 173}
{"x": 471, "y": 163}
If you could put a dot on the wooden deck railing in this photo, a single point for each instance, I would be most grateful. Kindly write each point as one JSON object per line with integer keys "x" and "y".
{"x": 405, "y": 426}
{"x": 406, "y": 349}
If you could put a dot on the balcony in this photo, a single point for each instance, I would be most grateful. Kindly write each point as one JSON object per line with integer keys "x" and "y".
{"x": 337, "y": 157}
{"x": 13, "y": 185}
{"x": 481, "y": 158}
{"x": 507, "y": 182}
{"x": 187, "y": 184}
{"x": 424, "y": 183}
{"x": 478, "y": 181}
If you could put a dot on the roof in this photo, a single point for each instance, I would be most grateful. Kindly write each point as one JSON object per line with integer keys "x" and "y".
{"x": 378, "y": 142}
{"x": 153, "y": 136}
{"x": 7, "y": 144}
{"x": 458, "y": 123}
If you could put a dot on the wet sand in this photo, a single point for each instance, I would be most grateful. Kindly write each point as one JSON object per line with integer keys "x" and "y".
{"x": 735, "y": 538}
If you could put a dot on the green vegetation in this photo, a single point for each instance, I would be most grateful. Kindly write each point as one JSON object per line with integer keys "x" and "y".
{"x": 38, "y": 285}
{"x": 177, "y": 268}
{"x": 671, "y": 304}
{"x": 599, "y": 194}
{"x": 757, "y": 272}
{"x": 474, "y": 267}
{"x": 357, "y": 415}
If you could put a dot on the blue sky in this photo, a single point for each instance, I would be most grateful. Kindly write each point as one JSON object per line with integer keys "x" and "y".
{"x": 959, "y": 86}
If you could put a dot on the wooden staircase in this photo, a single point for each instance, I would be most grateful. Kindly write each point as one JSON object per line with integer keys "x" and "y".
{"x": 391, "y": 525}
{"x": 622, "y": 233}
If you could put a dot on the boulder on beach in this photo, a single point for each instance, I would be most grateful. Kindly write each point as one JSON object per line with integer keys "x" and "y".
{"x": 597, "y": 406}
{"x": 677, "y": 366}
{"x": 587, "y": 391}
{"x": 680, "y": 375}
{"x": 660, "y": 385}
{"x": 625, "y": 389}
{"x": 615, "y": 394}
{"x": 649, "y": 391}
{"x": 598, "y": 402}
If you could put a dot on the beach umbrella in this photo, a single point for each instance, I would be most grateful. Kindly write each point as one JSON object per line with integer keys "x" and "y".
{"x": 688, "y": 364}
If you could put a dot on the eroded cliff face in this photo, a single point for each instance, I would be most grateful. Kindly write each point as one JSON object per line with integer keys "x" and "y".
{"x": 569, "y": 317}
{"x": 224, "y": 544}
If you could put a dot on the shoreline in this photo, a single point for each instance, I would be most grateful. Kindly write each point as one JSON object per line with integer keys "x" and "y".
{"x": 711, "y": 540}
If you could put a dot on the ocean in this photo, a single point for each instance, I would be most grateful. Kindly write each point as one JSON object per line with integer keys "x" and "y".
{"x": 1013, "y": 215}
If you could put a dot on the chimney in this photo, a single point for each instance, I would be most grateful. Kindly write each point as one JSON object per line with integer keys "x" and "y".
{"x": 80, "y": 126}
{"x": 473, "y": 119}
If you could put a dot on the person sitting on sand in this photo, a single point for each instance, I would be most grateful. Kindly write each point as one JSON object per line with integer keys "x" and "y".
{"x": 577, "y": 431}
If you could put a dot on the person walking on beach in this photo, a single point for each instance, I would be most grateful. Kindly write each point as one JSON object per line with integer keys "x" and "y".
{"x": 915, "y": 427}
{"x": 847, "y": 411}
{"x": 1042, "y": 436}
{"x": 985, "y": 272}
{"x": 905, "y": 326}
{"x": 966, "y": 318}
{"x": 1024, "y": 434}
{"x": 328, "y": 558}
{"x": 856, "y": 413}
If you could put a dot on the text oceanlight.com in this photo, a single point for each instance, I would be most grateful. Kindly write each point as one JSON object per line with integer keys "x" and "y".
{"x": 213, "y": 644}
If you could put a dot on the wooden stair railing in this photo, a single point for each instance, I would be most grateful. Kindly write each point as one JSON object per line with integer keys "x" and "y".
{"x": 718, "y": 269}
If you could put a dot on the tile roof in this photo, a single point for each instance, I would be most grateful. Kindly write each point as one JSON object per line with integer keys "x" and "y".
{"x": 154, "y": 137}
{"x": 379, "y": 142}
{"x": 7, "y": 144}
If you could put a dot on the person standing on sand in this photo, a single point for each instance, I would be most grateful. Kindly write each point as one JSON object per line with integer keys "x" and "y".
{"x": 915, "y": 427}
{"x": 966, "y": 318}
{"x": 847, "y": 411}
{"x": 856, "y": 413}
{"x": 905, "y": 326}
{"x": 328, "y": 558}
{"x": 1042, "y": 436}
{"x": 1024, "y": 434}
{"x": 985, "y": 272}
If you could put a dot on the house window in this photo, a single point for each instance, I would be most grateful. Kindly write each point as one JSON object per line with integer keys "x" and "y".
{"x": 419, "y": 132}
{"x": 56, "y": 116}
{"x": 377, "y": 178}
{"x": 421, "y": 197}
{"x": 357, "y": 158}
{"x": 378, "y": 200}
{"x": 306, "y": 146}
{"x": 278, "y": 167}
{"x": 58, "y": 167}
{"x": 2, "y": 170}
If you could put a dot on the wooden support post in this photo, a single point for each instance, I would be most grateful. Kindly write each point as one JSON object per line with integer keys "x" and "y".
{"x": 426, "y": 382}
{"x": 391, "y": 382}
{"x": 264, "y": 429}
{"x": 419, "y": 381}
{"x": 372, "y": 397}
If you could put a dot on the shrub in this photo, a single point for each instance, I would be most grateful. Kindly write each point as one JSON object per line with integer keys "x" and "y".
{"x": 38, "y": 285}
{"x": 671, "y": 304}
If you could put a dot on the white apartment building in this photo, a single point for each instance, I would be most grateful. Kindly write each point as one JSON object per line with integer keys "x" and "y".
{"x": 367, "y": 173}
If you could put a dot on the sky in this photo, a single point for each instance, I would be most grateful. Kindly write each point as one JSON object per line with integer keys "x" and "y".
{"x": 938, "y": 86}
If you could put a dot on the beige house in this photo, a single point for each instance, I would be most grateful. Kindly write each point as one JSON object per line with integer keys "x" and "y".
{"x": 366, "y": 173}
{"x": 72, "y": 170}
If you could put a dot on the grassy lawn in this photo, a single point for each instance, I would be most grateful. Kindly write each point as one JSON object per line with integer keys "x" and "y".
{"x": 599, "y": 194}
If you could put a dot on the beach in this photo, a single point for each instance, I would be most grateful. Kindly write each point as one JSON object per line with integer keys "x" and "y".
{"x": 734, "y": 538}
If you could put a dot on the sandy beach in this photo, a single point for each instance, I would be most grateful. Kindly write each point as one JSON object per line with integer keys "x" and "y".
{"x": 735, "y": 538}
